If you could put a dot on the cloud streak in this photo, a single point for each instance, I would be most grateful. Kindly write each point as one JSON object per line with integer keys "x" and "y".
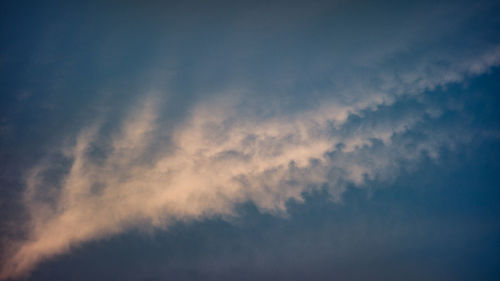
{"x": 221, "y": 156}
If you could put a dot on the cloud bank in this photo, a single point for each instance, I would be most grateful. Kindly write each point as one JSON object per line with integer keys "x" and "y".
{"x": 222, "y": 155}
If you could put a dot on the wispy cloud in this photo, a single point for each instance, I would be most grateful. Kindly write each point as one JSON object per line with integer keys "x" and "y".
{"x": 220, "y": 156}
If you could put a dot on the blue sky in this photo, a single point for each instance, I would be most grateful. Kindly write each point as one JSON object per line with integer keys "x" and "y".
{"x": 345, "y": 140}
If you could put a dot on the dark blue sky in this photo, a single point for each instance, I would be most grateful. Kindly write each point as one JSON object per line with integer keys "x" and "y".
{"x": 233, "y": 140}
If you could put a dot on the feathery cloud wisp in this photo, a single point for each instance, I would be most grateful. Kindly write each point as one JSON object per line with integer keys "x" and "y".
{"x": 218, "y": 159}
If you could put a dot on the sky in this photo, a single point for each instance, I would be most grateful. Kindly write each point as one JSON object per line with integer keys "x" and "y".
{"x": 250, "y": 140}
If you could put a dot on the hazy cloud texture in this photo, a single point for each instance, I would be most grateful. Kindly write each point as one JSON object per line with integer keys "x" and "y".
{"x": 318, "y": 112}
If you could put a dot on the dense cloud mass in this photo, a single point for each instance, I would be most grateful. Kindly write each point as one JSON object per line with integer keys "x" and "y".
{"x": 325, "y": 111}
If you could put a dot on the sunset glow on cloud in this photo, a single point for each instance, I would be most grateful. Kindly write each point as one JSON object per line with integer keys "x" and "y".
{"x": 202, "y": 133}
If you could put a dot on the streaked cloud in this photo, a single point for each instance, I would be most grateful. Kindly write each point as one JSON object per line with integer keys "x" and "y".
{"x": 264, "y": 103}
{"x": 223, "y": 154}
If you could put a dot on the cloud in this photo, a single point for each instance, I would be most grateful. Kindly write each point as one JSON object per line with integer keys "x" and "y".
{"x": 223, "y": 155}
{"x": 267, "y": 140}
